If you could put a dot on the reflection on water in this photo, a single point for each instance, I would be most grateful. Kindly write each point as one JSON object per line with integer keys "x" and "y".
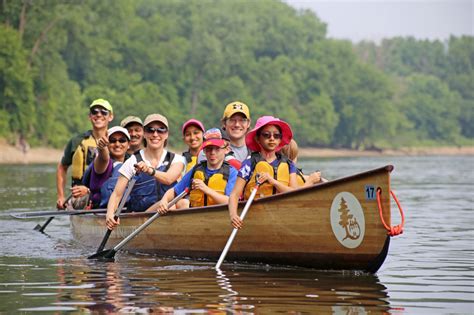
{"x": 148, "y": 284}
{"x": 429, "y": 268}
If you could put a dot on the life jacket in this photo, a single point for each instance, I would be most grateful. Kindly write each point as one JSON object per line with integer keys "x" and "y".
{"x": 280, "y": 171}
{"x": 83, "y": 155}
{"x": 300, "y": 177}
{"x": 217, "y": 182}
{"x": 147, "y": 189}
{"x": 191, "y": 160}
{"x": 109, "y": 185}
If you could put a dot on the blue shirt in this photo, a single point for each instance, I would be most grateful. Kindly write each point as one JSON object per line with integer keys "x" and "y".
{"x": 246, "y": 170}
{"x": 185, "y": 182}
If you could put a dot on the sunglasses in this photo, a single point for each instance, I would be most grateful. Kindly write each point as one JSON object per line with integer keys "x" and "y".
{"x": 159, "y": 130}
{"x": 268, "y": 135}
{"x": 121, "y": 140}
{"x": 96, "y": 111}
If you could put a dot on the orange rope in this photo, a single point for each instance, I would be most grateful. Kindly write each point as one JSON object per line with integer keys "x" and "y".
{"x": 392, "y": 230}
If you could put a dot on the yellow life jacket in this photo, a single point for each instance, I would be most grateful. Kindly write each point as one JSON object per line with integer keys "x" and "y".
{"x": 217, "y": 182}
{"x": 300, "y": 177}
{"x": 281, "y": 172}
{"x": 83, "y": 156}
{"x": 191, "y": 160}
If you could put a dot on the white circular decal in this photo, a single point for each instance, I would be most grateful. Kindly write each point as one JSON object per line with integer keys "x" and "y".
{"x": 347, "y": 220}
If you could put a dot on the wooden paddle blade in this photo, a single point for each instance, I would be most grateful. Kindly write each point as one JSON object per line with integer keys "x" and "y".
{"x": 105, "y": 255}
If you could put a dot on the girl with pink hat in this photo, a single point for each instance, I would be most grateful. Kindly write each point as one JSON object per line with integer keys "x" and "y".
{"x": 275, "y": 171}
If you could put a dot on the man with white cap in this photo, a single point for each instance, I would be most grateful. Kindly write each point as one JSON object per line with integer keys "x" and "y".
{"x": 134, "y": 125}
{"x": 80, "y": 152}
{"x": 102, "y": 175}
{"x": 156, "y": 170}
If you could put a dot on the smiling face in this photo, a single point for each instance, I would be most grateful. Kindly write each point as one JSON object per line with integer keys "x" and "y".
{"x": 269, "y": 137}
{"x": 236, "y": 126}
{"x": 156, "y": 134}
{"x": 193, "y": 137}
{"x": 118, "y": 145}
{"x": 136, "y": 134}
{"x": 100, "y": 117}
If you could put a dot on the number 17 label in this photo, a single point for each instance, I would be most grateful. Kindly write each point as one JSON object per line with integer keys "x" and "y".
{"x": 369, "y": 192}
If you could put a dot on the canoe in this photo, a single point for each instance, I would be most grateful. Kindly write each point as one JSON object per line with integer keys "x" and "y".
{"x": 330, "y": 226}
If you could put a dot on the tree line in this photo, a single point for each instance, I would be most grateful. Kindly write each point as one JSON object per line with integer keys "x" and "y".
{"x": 188, "y": 58}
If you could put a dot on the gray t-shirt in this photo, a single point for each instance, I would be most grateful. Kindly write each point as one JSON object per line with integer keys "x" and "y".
{"x": 240, "y": 153}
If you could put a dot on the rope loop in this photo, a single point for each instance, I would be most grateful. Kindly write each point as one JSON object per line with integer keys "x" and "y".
{"x": 392, "y": 230}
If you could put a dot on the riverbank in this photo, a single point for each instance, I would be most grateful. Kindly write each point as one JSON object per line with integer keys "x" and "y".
{"x": 16, "y": 155}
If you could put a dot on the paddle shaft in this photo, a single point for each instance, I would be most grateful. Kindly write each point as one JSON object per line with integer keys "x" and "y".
{"x": 234, "y": 232}
{"x": 39, "y": 214}
{"x": 117, "y": 212}
{"x": 40, "y": 228}
{"x": 148, "y": 222}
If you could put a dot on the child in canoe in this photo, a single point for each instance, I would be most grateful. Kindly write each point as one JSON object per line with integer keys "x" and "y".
{"x": 276, "y": 172}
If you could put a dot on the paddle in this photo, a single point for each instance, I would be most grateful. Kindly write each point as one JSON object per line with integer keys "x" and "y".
{"x": 234, "y": 232}
{"x": 39, "y": 214}
{"x": 117, "y": 212}
{"x": 110, "y": 253}
{"x": 40, "y": 228}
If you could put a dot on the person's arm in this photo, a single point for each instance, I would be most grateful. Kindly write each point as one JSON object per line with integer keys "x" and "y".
{"x": 162, "y": 205}
{"x": 101, "y": 161}
{"x": 169, "y": 176}
{"x": 114, "y": 202}
{"x": 234, "y": 202}
{"x": 61, "y": 173}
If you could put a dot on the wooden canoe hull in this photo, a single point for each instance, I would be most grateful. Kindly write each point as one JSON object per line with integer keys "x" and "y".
{"x": 335, "y": 225}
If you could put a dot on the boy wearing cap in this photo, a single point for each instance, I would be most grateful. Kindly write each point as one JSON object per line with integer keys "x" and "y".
{"x": 80, "y": 152}
{"x": 101, "y": 176}
{"x": 210, "y": 182}
{"x": 193, "y": 131}
{"x": 134, "y": 126}
{"x": 236, "y": 122}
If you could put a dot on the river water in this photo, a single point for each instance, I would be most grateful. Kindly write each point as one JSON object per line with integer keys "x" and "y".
{"x": 429, "y": 268}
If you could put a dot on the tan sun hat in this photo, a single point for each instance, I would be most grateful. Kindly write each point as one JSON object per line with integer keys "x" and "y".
{"x": 156, "y": 117}
{"x": 131, "y": 119}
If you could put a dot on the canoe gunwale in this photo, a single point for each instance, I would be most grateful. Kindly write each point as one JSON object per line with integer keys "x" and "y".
{"x": 387, "y": 168}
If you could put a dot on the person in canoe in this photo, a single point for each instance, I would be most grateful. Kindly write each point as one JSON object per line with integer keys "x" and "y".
{"x": 291, "y": 151}
{"x": 210, "y": 182}
{"x": 193, "y": 131}
{"x": 79, "y": 152}
{"x": 101, "y": 176}
{"x": 156, "y": 168}
{"x": 274, "y": 171}
{"x": 236, "y": 123}
{"x": 134, "y": 126}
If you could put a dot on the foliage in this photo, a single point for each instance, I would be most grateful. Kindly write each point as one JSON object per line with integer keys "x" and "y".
{"x": 188, "y": 58}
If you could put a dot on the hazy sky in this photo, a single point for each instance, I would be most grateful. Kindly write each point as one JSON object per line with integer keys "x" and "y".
{"x": 376, "y": 19}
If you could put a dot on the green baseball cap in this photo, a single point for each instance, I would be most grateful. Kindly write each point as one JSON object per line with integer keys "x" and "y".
{"x": 103, "y": 103}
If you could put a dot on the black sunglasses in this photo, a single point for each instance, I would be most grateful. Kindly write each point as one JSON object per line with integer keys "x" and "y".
{"x": 121, "y": 140}
{"x": 159, "y": 130}
{"x": 268, "y": 135}
{"x": 96, "y": 111}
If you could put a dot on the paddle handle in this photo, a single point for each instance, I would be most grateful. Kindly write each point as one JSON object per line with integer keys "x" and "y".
{"x": 234, "y": 232}
{"x": 148, "y": 222}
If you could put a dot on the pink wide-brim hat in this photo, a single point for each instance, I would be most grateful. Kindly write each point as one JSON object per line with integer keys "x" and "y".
{"x": 253, "y": 145}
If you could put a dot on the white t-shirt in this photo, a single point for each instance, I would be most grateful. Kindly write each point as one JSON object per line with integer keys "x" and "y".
{"x": 128, "y": 169}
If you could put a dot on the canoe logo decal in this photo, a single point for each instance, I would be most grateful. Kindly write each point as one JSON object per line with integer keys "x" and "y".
{"x": 347, "y": 220}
